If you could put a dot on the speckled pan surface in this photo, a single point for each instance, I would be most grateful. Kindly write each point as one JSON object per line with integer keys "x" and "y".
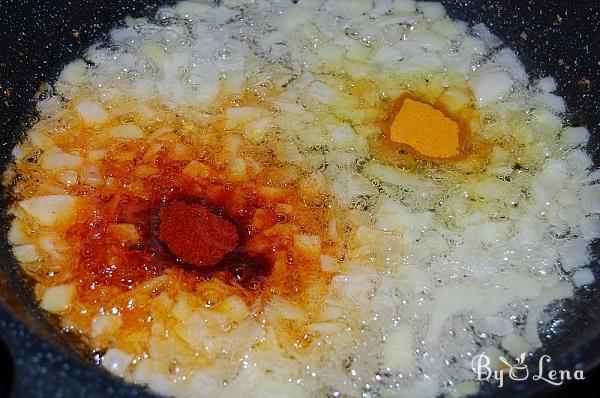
{"x": 39, "y": 37}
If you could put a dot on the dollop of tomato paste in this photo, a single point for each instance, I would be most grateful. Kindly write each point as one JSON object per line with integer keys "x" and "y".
{"x": 195, "y": 235}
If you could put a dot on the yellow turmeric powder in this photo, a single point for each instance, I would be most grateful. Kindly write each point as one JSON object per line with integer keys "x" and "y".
{"x": 426, "y": 130}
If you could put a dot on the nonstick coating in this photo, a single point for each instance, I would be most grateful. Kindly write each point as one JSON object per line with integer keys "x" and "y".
{"x": 38, "y": 37}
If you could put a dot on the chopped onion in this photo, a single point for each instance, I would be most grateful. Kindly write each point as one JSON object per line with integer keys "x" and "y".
{"x": 515, "y": 345}
{"x": 126, "y": 131}
{"x": 57, "y": 298}
{"x": 575, "y": 136}
{"x": 256, "y": 131}
{"x": 91, "y": 112}
{"x": 50, "y": 209}
{"x": 55, "y": 159}
{"x": 26, "y": 253}
{"x": 285, "y": 309}
{"x": 583, "y": 277}
{"x": 242, "y": 114}
{"x": 124, "y": 233}
{"x": 91, "y": 174}
{"x": 74, "y": 72}
{"x": 499, "y": 326}
{"x": 16, "y": 235}
{"x": 322, "y": 93}
{"x": 308, "y": 245}
{"x": 116, "y": 361}
{"x": 547, "y": 84}
{"x": 68, "y": 177}
{"x": 41, "y": 140}
{"x": 574, "y": 254}
{"x": 491, "y": 87}
{"x": 329, "y": 263}
{"x": 105, "y": 323}
{"x": 431, "y": 10}
{"x": 398, "y": 350}
{"x": 234, "y": 308}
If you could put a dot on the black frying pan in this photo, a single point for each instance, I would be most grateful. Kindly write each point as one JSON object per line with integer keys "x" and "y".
{"x": 38, "y": 37}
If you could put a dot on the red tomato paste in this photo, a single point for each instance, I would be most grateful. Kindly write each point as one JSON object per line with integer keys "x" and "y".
{"x": 195, "y": 235}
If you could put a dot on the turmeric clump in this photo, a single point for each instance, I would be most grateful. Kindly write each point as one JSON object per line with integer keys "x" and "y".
{"x": 426, "y": 130}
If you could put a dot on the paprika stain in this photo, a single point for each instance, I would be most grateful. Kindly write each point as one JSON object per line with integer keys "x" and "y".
{"x": 195, "y": 235}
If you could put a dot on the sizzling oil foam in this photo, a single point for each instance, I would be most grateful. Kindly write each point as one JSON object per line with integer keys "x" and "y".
{"x": 375, "y": 271}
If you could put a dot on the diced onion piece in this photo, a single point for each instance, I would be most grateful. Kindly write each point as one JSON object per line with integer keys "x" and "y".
{"x": 308, "y": 245}
{"x": 395, "y": 217}
{"x": 237, "y": 169}
{"x": 552, "y": 102}
{"x": 126, "y": 131}
{"x": 255, "y": 131}
{"x": 52, "y": 245}
{"x": 182, "y": 308}
{"x": 548, "y": 84}
{"x": 515, "y": 344}
{"x": 68, "y": 177}
{"x": 55, "y": 159}
{"x": 465, "y": 388}
{"x": 400, "y": 7}
{"x": 74, "y": 72}
{"x": 16, "y": 235}
{"x": 182, "y": 152}
{"x": 499, "y": 326}
{"x": 91, "y": 112}
{"x": 325, "y": 328}
{"x": 288, "y": 152}
{"x": 50, "y": 209}
{"x": 57, "y": 298}
{"x": 583, "y": 277}
{"x": 193, "y": 331}
{"x": 492, "y": 86}
{"x": 575, "y": 136}
{"x": 270, "y": 388}
{"x": 232, "y": 144}
{"x": 323, "y": 93}
{"x": 574, "y": 254}
{"x": 431, "y": 10}
{"x": 294, "y": 18}
{"x": 191, "y": 10}
{"x": 41, "y": 140}
{"x": 116, "y": 361}
{"x": 105, "y": 323}
{"x": 26, "y": 253}
{"x": 97, "y": 154}
{"x": 484, "y": 33}
{"x": 590, "y": 227}
{"x": 124, "y": 233}
{"x": 329, "y": 263}
{"x": 91, "y": 174}
{"x": 428, "y": 40}
{"x": 398, "y": 349}
{"x": 349, "y": 8}
{"x": 154, "y": 51}
{"x": 344, "y": 137}
{"x": 234, "y": 308}
{"x": 242, "y": 114}
{"x": 284, "y": 309}
{"x": 393, "y": 175}
{"x": 145, "y": 170}
{"x": 195, "y": 169}
{"x": 350, "y": 185}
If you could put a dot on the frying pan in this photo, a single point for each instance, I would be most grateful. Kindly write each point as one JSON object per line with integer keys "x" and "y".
{"x": 38, "y": 37}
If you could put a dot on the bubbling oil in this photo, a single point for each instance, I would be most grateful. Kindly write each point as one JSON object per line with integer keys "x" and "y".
{"x": 365, "y": 268}
{"x": 113, "y": 242}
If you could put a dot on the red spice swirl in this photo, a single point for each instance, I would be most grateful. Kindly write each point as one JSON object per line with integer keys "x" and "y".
{"x": 195, "y": 235}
